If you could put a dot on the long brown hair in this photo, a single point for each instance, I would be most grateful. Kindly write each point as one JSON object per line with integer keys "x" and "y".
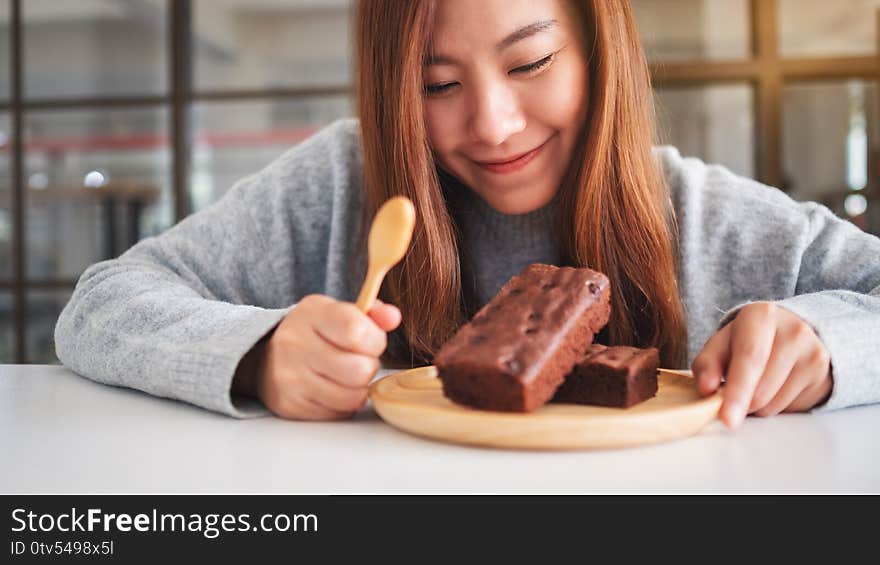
{"x": 616, "y": 213}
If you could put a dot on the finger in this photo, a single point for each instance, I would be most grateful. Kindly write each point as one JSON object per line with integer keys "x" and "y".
{"x": 797, "y": 381}
{"x": 709, "y": 365}
{"x": 333, "y": 396}
{"x": 296, "y": 407}
{"x": 287, "y": 396}
{"x": 778, "y": 370}
{"x": 347, "y": 369}
{"x": 386, "y": 316}
{"x": 349, "y": 329}
{"x": 751, "y": 340}
{"x": 319, "y": 412}
{"x": 813, "y": 374}
{"x": 811, "y": 396}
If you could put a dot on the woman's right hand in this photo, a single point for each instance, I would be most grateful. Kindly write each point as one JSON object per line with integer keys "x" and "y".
{"x": 319, "y": 361}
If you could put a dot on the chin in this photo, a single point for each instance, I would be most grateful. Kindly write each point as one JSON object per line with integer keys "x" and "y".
{"x": 515, "y": 204}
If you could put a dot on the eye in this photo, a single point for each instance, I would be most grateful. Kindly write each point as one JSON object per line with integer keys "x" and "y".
{"x": 536, "y": 66}
{"x": 437, "y": 89}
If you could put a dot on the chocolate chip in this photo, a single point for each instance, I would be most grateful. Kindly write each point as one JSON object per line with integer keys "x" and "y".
{"x": 594, "y": 288}
{"x": 516, "y": 292}
{"x": 548, "y": 286}
{"x": 512, "y": 365}
{"x": 534, "y": 317}
{"x": 531, "y": 330}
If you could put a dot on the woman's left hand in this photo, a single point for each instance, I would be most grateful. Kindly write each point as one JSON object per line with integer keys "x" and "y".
{"x": 773, "y": 362}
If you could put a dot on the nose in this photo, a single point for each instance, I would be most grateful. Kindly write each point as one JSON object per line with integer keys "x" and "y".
{"x": 496, "y": 114}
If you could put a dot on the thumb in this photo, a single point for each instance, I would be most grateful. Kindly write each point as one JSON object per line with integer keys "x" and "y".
{"x": 386, "y": 316}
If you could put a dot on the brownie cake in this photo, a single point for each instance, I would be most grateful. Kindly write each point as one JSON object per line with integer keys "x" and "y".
{"x": 516, "y": 351}
{"x": 617, "y": 376}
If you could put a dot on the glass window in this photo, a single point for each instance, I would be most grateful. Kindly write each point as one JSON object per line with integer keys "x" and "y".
{"x": 83, "y": 48}
{"x": 246, "y": 44}
{"x": 7, "y": 329}
{"x": 235, "y": 139}
{"x": 6, "y": 219}
{"x": 714, "y": 123}
{"x": 679, "y": 30}
{"x": 829, "y": 135}
{"x": 810, "y": 28}
{"x": 43, "y": 308}
{"x": 5, "y": 54}
{"x": 97, "y": 180}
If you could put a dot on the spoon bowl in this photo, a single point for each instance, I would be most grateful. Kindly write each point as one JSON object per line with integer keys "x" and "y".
{"x": 389, "y": 238}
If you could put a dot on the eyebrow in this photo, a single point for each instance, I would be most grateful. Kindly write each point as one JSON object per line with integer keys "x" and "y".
{"x": 522, "y": 33}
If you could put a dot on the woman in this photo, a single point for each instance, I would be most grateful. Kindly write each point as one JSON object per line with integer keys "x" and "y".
{"x": 522, "y": 132}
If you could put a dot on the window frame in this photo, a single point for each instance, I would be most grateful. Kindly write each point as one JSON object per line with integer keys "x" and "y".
{"x": 177, "y": 100}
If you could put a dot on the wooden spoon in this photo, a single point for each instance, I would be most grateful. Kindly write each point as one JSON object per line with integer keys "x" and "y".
{"x": 388, "y": 241}
{"x": 679, "y": 372}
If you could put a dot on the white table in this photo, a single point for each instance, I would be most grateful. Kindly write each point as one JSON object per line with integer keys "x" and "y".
{"x": 61, "y": 433}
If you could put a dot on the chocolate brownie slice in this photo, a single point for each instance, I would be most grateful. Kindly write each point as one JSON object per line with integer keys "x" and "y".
{"x": 516, "y": 351}
{"x": 617, "y": 376}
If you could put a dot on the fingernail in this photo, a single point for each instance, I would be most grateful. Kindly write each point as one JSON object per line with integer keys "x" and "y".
{"x": 707, "y": 387}
{"x": 738, "y": 418}
{"x": 736, "y": 413}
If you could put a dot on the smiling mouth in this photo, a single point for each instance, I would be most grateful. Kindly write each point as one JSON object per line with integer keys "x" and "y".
{"x": 513, "y": 164}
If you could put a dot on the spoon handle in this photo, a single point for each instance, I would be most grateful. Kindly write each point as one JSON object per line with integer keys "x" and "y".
{"x": 679, "y": 372}
{"x": 370, "y": 288}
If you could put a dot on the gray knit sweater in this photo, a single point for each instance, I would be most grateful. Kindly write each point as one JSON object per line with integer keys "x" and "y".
{"x": 174, "y": 315}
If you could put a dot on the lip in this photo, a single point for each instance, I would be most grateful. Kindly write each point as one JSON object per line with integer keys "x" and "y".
{"x": 512, "y": 165}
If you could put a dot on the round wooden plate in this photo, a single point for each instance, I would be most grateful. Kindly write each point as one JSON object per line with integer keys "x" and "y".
{"x": 413, "y": 401}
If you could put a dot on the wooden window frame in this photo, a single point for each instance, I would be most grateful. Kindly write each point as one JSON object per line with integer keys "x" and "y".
{"x": 767, "y": 72}
{"x": 178, "y": 101}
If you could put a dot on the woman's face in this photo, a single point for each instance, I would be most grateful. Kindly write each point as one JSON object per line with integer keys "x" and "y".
{"x": 505, "y": 97}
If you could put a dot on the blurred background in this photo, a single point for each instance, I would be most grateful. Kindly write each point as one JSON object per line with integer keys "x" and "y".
{"x": 120, "y": 117}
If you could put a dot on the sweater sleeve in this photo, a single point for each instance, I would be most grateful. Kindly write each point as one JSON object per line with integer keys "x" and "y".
{"x": 174, "y": 315}
{"x": 743, "y": 242}
{"x": 838, "y": 294}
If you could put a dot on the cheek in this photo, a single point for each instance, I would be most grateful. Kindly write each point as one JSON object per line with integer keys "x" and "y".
{"x": 563, "y": 99}
{"x": 440, "y": 125}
